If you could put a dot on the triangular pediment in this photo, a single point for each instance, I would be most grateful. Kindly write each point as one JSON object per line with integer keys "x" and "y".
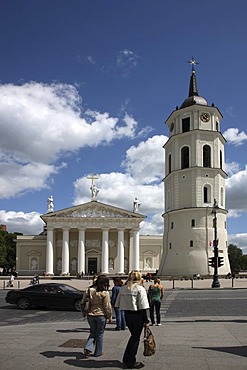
{"x": 93, "y": 210}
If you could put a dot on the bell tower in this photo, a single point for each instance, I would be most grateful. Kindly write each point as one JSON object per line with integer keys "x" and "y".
{"x": 194, "y": 179}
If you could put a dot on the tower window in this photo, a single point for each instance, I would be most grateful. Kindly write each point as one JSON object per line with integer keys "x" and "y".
{"x": 220, "y": 159}
{"x": 206, "y": 156}
{"x": 170, "y": 163}
{"x": 172, "y": 225}
{"x": 207, "y": 194}
{"x": 191, "y": 243}
{"x": 170, "y": 245}
{"x": 185, "y": 157}
{"x": 186, "y": 124}
{"x": 193, "y": 222}
{"x": 217, "y": 126}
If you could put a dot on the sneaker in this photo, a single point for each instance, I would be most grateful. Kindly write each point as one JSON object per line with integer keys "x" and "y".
{"x": 137, "y": 365}
{"x": 158, "y": 324}
{"x": 87, "y": 353}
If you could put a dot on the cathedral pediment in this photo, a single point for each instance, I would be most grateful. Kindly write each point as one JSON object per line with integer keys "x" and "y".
{"x": 93, "y": 210}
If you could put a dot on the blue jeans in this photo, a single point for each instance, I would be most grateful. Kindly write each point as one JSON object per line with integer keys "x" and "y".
{"x": 97, "y": 327}
{"x": 120, "y": 318}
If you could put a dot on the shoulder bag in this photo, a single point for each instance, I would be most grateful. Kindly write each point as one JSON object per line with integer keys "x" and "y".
{"x": 149, "y": 342}
{"x": 86, "y": 306}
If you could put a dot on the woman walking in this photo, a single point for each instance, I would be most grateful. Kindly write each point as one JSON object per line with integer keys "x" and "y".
{"x": 120, "y": 316}
{"x": 155, "y": 294}
{"x": 132, "y": 298}
{"x": 100, "y": 311}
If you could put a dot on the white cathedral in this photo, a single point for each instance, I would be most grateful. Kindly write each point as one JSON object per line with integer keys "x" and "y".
{"x": 97, "y": 237}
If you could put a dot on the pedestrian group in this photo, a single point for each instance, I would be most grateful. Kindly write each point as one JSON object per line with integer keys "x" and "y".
{"x": 130, "y": 303}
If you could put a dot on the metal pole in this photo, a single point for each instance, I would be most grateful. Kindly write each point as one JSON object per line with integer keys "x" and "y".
{"x": 216, "y": 283}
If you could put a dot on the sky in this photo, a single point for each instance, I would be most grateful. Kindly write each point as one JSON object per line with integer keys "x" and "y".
{"x": 86, "y": 87}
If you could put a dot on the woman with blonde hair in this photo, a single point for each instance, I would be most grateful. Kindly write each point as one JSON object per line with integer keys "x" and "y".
{"x": 132, "y": 298}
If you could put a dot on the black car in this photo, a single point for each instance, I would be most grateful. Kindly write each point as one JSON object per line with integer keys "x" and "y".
{"x": 46, "y": 295}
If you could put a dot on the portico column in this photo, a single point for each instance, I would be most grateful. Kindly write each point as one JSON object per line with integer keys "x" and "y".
{"x": 49, "y": 251}
{"x": 105, "y": 251}
{"x": 120, "y": 253}
{"x": 81, "y": 252}
{"x": 65, "y": 252}
{"x": 136, "y": 249}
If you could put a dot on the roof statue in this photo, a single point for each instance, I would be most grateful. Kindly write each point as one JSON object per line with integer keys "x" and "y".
{"x": 50, "y": 204}
{"x": 93, "y": 187}
{"x": 136, "y": 205}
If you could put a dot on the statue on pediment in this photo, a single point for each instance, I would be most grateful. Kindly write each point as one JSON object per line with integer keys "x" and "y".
{"x": 136, "y": 205}
{"x": 94, "y": 191}
{"x": 50, "y": 204}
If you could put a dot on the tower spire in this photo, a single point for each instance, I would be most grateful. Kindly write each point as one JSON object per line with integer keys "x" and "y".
{"x": 193, "y": 90}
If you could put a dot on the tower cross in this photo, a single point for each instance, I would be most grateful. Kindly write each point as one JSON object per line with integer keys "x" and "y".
{"x": 193, "y": 63}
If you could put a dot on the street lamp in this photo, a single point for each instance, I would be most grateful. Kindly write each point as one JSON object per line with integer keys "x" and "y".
{"x": 215, "y": 283}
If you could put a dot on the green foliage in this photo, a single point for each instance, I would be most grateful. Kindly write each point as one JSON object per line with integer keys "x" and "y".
{"x": 238, "y": 261}
{"x": 7, "y": 250}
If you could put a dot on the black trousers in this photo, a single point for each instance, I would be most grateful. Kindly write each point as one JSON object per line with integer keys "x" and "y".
{"x": 155, "y": 305}
{"x": 135, "y": 323}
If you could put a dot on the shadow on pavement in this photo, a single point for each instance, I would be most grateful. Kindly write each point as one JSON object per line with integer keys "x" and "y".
{"x": 238, "y": 351}
{"x": 82, "y": 361}
{"x": 240, "y": 321}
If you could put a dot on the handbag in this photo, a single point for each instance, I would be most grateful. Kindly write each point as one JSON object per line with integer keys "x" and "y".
{"x": 149, "y": 342}
{"x": 86, "y": 306}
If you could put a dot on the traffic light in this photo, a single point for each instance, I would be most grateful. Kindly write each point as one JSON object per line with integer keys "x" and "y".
{"x": 211, "y": 261}
{"x": 220, "y": 261}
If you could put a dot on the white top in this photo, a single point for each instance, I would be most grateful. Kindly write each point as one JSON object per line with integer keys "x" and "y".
{"x": 132, "y": 299}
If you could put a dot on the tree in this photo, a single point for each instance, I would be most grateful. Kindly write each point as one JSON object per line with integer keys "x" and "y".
{"x": 235, "y": 257}
{"x": 7, "y": 250}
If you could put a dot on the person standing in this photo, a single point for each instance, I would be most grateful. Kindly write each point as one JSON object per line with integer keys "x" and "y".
{"x": 132, "y": 298}
{"x": 120, "y": 316}
{"x": 100, "y": 311}
{"x": 155, "y": 295}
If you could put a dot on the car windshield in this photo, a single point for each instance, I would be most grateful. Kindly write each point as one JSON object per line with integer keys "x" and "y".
{"x": 68, "y": 288}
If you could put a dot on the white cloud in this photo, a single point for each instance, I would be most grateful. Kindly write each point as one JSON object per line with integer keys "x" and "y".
{"x": 112, "y": 184}
{"x": 26, "y": 223}
{"x": 17, "y": 179}
{"x": 233, "y": 136}
{"x": 146, "y": 161}
{"x": 236, "y": 191}
{"x": 39, "y": 123}
{"x": 127, "y": 60}
{"x": 232, "y": 168}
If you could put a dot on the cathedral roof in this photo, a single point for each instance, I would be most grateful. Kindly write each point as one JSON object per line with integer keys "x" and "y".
{"x": 193, "y": 97}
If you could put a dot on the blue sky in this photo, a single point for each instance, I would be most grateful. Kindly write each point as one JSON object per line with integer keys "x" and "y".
{"x": 86, "y": 87}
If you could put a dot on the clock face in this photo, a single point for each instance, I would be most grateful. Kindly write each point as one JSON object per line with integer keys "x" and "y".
{"x": 172, "y": 126}
{"x": 205, "y": 117}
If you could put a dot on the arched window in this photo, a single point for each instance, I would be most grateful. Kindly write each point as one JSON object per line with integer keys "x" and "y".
{"x": 170, "y": 163}
{"x": 185, "y": 157}
{"x": 220, "y": 159}
{"x": 206, "y": 156}
{"x": 207, "y": 194}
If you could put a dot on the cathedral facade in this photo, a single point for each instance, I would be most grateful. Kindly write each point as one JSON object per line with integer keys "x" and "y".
{"x": 86, "y": 239}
